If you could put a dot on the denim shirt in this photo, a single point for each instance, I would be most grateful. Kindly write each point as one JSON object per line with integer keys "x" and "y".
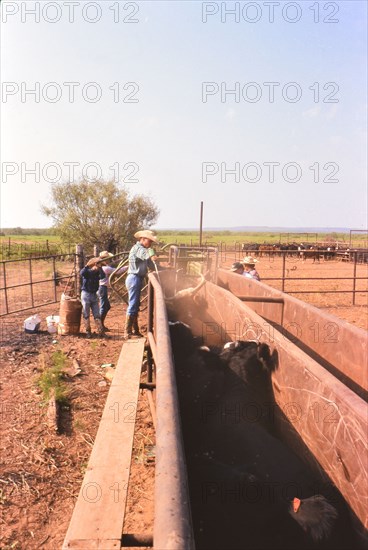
{"x": 139, "y": 260}
{"x": 91, "y": 279}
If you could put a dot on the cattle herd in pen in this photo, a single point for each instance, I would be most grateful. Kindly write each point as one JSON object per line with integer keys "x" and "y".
{"x": 247, "y": 488}
{"x": 301, "y": 250}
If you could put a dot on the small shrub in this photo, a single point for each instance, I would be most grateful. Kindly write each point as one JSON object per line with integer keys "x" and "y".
{"x": 51, "y": 380}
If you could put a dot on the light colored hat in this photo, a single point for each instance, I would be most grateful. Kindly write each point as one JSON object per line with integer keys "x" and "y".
{"x": 248, "y": 260}
{"x": 93, "y": 261}
{"x": 147, "y": 234}
{"x": 105, "y": 255}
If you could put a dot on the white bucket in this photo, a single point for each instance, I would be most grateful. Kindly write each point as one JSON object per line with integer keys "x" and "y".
{"x": 52, "y": 323}
{"x": 32, "y": 324}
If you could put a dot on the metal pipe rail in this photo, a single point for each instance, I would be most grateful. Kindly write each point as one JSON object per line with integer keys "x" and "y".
{"x": 173, "y": 528}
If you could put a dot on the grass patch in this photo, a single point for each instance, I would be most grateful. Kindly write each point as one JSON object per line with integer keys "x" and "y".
{"x": 231, "y": 238}
{"x": 51, "y": 381}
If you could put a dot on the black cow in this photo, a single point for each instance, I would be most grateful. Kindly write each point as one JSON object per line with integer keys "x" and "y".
{"x": 234, "y": 509}
{"x": 229, "y": 440}
{"x": 250, "y": 247}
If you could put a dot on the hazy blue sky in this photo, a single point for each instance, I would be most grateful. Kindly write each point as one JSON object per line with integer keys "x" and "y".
{"x": 152, "y": 107}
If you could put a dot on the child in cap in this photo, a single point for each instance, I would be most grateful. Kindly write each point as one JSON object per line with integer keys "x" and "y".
{"x": 238, "y": 268}
{"x": 91, "y": 275}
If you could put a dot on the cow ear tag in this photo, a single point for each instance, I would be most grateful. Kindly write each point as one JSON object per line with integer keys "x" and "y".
{"x": 296, "y": 504}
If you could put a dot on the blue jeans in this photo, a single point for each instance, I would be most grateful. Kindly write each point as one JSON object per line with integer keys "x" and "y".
{"x": 103, "y": 294}
{"x": 133, "y": 285}
{"x": 90, "y": 301}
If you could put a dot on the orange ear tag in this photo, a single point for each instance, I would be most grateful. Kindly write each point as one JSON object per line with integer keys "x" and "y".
{"x": 296, "y": 504}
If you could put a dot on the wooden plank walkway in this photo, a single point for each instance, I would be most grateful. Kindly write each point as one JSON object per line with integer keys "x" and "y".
{"x": 97, "y": 520}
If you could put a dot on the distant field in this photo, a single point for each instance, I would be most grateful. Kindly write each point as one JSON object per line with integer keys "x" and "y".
{"x": 29, "y": 239}
{"x": 226, "y": 237}
{"x": 16, "y": 246}
{"x": 13, "y": 247}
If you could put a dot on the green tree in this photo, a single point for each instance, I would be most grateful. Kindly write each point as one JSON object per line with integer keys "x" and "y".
{"x": 101, "y": 212}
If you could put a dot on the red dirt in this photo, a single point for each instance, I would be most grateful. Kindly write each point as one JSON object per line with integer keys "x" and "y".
{"x": 41, "y": 471}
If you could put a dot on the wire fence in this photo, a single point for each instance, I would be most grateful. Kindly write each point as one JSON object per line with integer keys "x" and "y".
{"x": 39, "y": 281}
{"x": 35, "y": 282}
{"x": 342, "y": 273}
{"x": 14, "y": 250}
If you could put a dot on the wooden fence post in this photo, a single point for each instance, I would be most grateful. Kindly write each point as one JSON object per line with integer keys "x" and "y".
{"x": 79, "y": 264}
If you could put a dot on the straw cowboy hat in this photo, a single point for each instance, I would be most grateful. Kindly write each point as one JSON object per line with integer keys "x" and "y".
{"x": 105, "y": 255}
{"x": 147, "y": 234}
{"x": 248, "y": 260}
{"x": 93, "y": 261}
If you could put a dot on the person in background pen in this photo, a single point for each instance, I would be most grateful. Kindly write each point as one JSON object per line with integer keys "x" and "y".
{"x": 237, "y": 268}
{"x": 250, "y": 268}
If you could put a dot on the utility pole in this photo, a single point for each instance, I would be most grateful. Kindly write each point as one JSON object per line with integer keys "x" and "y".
{"x": 201, "y": 224}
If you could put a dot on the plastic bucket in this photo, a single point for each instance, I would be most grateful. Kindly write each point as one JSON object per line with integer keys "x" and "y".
{"x": 52, "y": 322}
{"x": 32, "y": 324}
{"x": 69, "y": 315}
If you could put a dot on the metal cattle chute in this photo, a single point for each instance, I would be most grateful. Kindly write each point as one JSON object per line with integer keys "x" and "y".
{"x": 319, "y": 387}
{"x": 322, "y": 419}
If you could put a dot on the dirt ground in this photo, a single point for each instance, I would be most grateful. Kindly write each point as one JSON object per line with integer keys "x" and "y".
{"x": 41, "y": 470}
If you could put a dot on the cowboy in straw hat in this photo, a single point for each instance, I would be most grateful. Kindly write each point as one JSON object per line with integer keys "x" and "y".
{"x": 249, "y": 260}
{"x": 141, "y": 258}
{"x": 249, "y": 268}
{"x": 103, "y": 293}
{"x": 105, "y": 255}
{"x": 146, "y": 234}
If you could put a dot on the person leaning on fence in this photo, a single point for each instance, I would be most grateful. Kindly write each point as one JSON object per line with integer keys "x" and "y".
{"x": 141, "y": 258}
{"x": 91, "y": 275}
{"x": 250, "y": 269}
{"x": 103, "y": 292}
{"x": 237, "y": 268}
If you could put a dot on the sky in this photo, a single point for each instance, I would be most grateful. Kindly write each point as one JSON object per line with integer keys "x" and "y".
{"x": 258, "y": 109}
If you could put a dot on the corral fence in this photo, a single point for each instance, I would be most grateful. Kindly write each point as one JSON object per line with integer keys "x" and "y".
{"x": 38, "y": 281}
{"x": 35, "y": 282}
{"x": 283, "y": 266}
{"x": 231, "y": 246}
{"x": 352, "y": 283}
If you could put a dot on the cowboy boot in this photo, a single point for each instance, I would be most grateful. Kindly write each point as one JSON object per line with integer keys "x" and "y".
{"x": 103, "y": 317}
{"x": 128, "y": 327}
{"x": 136, "y": 327}
{"x": 99, "y": 327}
{"x": 87, "y": 326}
